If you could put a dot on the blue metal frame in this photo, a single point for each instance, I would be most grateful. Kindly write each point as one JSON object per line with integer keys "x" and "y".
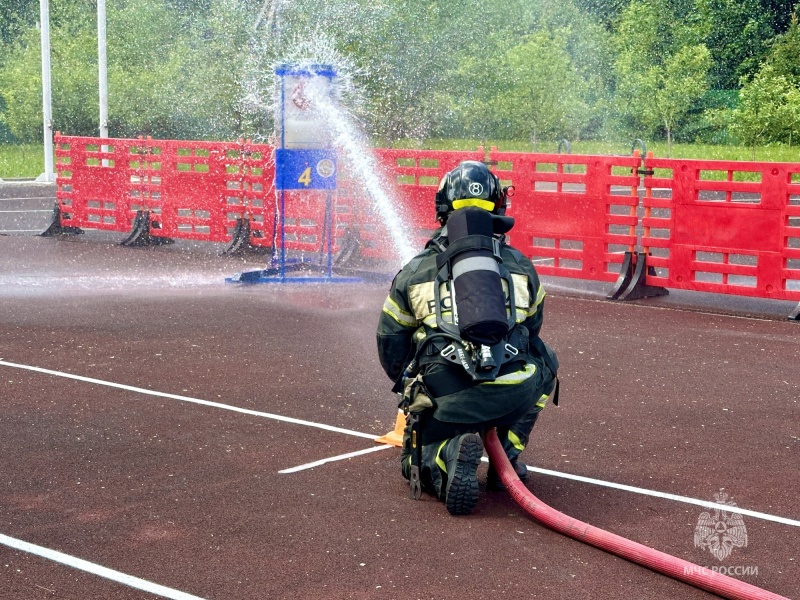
{"x": 279, "y": 273}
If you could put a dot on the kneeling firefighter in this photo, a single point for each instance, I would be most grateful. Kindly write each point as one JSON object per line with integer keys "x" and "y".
{"x": 459, "y": 336}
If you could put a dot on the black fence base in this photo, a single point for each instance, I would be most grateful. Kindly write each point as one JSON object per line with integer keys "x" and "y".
{"x": 625, "y": 276}
{"x": 240, "y": 243}
{"x": 140, "y": 234}
{"x": 795, "y": 316}
{"x": 631, "y": 283}
{"x": 56, "y": 228}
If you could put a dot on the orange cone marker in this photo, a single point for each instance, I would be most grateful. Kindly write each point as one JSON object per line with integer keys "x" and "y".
{"x": 394, "y": 438}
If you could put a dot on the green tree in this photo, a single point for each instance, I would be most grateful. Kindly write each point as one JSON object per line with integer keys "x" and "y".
{"x": 17, "y": 16}
{"x": 661, "y": 69}
{"x": 784, "y": 55}
{"x": 531, "y": 90}
{"x": 738, "y": 34}
{"x": 767, "y": 110}
{"x": 74, "y": 84}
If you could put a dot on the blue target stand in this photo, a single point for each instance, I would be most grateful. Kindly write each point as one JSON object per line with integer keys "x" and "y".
{"x": 304, "y": 160}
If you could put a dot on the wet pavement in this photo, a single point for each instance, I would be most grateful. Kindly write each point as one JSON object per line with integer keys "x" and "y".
{"x": 149, "y": 408}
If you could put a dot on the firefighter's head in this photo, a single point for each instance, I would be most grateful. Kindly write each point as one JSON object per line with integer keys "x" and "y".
{"x": 470, "y": 184}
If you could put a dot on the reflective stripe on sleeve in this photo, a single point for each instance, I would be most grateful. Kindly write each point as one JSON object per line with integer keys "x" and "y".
{"x": 391, "y": 308}
{"x": 540, "y": 294}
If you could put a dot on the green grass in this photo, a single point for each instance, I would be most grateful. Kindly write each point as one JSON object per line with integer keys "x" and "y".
{"x": 777, "y": 153}
{"x": 27, "y": 160}
{"x": 21, "y": 160}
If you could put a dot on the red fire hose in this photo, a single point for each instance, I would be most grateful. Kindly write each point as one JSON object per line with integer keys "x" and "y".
{"x": 660, "y": 562}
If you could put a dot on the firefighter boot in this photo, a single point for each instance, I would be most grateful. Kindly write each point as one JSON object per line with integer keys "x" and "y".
{"x": 461, "y": 456}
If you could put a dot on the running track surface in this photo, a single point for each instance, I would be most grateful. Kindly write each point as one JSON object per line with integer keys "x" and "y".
{"x": 148, "y": 409}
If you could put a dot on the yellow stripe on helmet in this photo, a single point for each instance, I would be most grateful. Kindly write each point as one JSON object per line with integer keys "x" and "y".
{"x": 484, "y": 204}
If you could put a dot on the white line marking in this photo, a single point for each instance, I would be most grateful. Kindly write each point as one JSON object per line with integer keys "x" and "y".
{"x": 664, "y": 495}
{"x": 317, "y": 463}
{"x": 95, "y": 569}
{"x": 246, "y": 411}
{"x": 29, "y": 198}
{"x": 600, "y": 482}
{"x": 24, "y": 211}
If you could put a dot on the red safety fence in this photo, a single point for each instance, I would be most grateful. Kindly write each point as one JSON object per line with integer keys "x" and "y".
{"x": 575, "y": 214}
{"x": 710, "y": 226}
{"x": 724, "y": 227}
{"x": 200, "y": 190}
{"x": 191, "y": 190}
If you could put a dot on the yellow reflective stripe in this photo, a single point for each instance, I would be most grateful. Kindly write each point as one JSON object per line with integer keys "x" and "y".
{"x": 540, "y": 294}
{"x": 522, "y": 296}
{"x": 480, "y": 203}
{"x": 515, "y": 441}
{"x": 430, "y": 321}
{"x": 439, "y": 460}
{"x": 514, "y": 378}
{"x": 542, "y": 401}
{"x": 391, "y": 308}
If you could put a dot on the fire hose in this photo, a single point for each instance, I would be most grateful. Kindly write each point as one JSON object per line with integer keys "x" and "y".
{"x": 660, "y": 562}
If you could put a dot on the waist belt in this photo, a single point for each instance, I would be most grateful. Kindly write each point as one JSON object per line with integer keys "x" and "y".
{"x": 452, "y": 380}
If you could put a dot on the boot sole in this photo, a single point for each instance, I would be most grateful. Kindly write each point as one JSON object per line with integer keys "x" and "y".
{"x": 462, "y": 485}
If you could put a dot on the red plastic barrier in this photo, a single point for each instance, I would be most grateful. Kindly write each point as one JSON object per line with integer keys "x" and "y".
{"x": 198, "y": 190}
{"x": 95, "y": 186}
{"x": 575, "y": 214}
{"x": 250, "y": 191}
{"x": 192, "y": 190}
{"x": 712, "y": 226}
{"x": 724, "y": 227}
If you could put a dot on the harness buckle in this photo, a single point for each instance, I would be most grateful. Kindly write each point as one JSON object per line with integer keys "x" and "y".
{"x": 511, "y": 350}
{"x": 449, "y": 352}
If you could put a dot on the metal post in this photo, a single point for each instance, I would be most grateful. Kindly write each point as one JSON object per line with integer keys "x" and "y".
{"x": 102, "y": 62}
{"x": 47, "y": 100}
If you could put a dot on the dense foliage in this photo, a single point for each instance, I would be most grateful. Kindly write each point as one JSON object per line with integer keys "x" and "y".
{"x": 684, "y": 70}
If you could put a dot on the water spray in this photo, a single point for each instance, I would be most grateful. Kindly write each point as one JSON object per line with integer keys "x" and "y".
{"x": 311, "y": 133}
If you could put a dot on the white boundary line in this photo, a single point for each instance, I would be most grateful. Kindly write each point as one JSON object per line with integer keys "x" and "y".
{"x": 246, "y": 411}
{"x": 600, "y": 482}
{"x": 664, "y": 495}
{"x": 28, "y": 198}
{"x": 95, "y": 569}
{"x": 317, "y": 463}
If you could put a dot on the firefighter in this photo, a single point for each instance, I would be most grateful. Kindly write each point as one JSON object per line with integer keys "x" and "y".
{"x": 459, "y": 336}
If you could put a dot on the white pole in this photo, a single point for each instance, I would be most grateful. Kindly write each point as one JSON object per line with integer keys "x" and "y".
{"x": 47, "y": 101}
{"x": 102, "y": 62}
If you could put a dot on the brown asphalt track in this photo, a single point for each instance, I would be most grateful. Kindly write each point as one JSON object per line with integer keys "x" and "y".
{"x": 190, "y": 497}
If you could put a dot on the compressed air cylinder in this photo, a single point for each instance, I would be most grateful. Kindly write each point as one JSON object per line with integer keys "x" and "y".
{"x": 477, "y": 286}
